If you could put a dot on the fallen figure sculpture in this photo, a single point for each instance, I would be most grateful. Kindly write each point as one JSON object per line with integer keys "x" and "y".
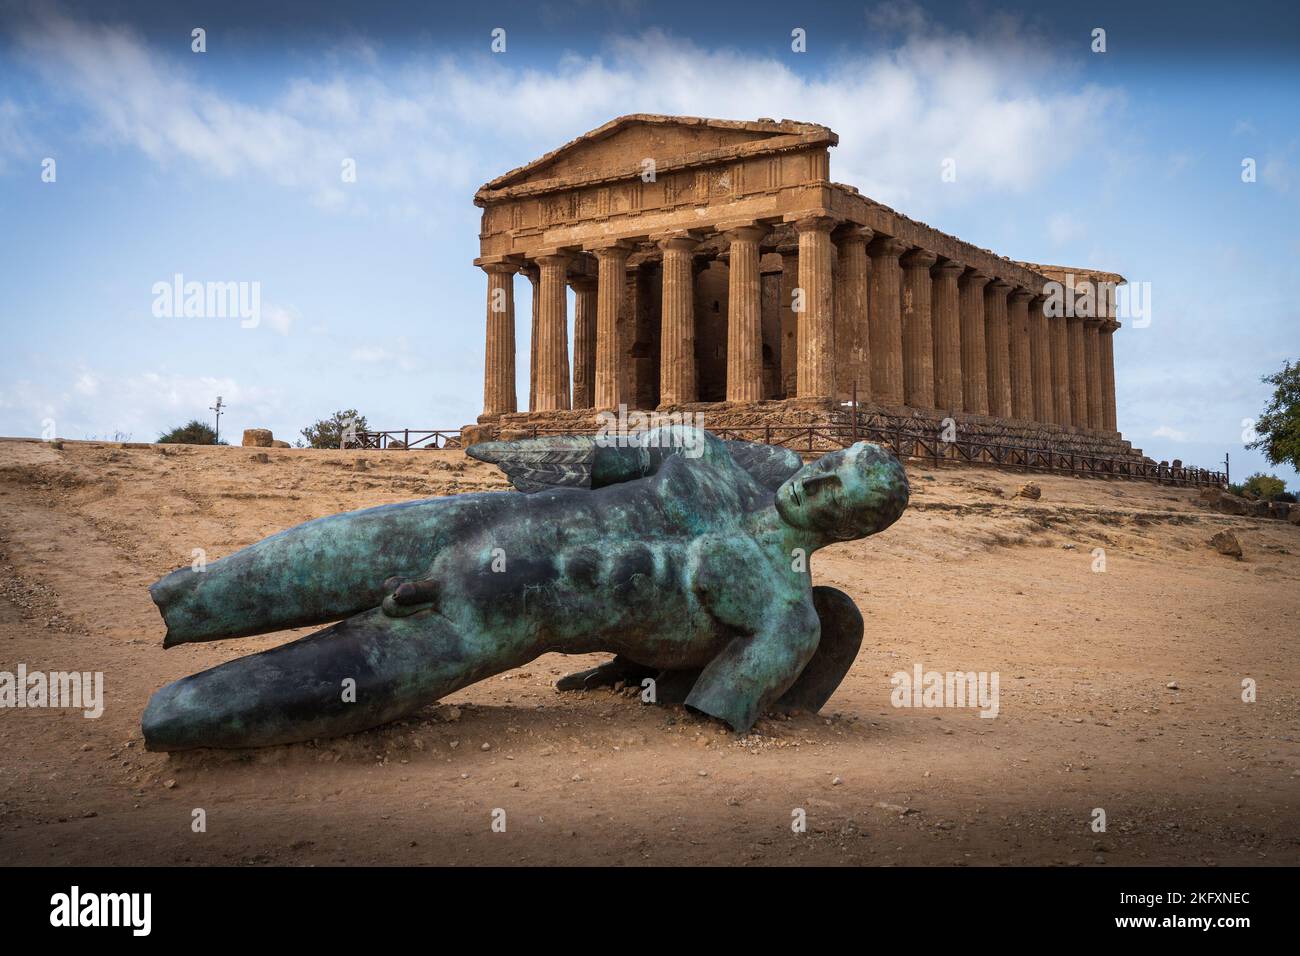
{"x": 684, "y": 555}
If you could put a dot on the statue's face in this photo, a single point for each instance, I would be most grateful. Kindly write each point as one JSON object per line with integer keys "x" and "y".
{"x": 846, "y": 494}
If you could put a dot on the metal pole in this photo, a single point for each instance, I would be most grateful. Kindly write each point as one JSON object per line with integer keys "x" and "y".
{"x": 217, "y": 408}
{"x": 855, "y": 411}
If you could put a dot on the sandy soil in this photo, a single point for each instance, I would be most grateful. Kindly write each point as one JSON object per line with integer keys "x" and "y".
{"x": 971, "y": 578}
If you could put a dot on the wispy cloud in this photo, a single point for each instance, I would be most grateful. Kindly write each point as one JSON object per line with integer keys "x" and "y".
{"x": 452, "y": 121}
{"x": 136, "y": 404}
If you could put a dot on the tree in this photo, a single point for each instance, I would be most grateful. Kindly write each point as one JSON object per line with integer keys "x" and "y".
{"x": 193, "y": 432}
{"x": 1278, "y": 427}
{"x": 329, "y": 432}
{"x": 1263, "y": 487}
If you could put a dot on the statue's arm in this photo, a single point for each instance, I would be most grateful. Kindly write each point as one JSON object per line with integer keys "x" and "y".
{"x": 754, "y": 670}
{"x": 772, "y": 614}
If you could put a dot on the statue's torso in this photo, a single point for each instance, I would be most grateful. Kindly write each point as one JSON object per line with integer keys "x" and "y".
{"x": 617, "y": 569}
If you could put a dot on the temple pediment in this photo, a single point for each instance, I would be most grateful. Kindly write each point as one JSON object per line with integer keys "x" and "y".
{"x": 624, "y": 145}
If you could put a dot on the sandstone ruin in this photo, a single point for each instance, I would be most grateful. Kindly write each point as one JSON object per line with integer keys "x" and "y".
{"x": 717, "y": 268}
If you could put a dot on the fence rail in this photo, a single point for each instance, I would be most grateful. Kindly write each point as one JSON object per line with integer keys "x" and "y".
{"x": 405, "y": 439}
{"x": 902, "y": 436}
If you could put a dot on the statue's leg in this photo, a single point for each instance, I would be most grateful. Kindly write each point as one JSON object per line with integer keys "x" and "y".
{"x": 841, "y": 637}
{"x": 368, "y": 670}
{"x": 606, "y": 675}
{"x": 322, "y": 571}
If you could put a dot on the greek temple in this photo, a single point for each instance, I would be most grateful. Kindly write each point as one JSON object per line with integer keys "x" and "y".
{"x": 716, "y": 267}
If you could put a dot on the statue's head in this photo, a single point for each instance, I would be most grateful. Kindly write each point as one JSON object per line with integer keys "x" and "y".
{"x": 846, "y": 494}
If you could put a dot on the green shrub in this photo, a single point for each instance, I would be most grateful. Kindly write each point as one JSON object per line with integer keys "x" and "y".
{"x": 193, "y": 432}
{"x": 328, "y": 432}
{"x": 1264, "y": 487}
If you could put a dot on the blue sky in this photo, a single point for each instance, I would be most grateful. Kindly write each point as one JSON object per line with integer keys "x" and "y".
{"x": 225, "y": 167}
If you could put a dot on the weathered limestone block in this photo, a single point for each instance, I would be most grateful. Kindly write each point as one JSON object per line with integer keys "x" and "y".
{"x": 1225, "y": 542}
{"x": 257, "y": 438}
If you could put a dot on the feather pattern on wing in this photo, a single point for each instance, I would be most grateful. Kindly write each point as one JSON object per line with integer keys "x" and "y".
{"x": 535, "y": 464}
{"x": 571, "y": 461}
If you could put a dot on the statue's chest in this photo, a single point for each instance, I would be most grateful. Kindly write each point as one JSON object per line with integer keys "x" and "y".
{"x": 625, "y": 568}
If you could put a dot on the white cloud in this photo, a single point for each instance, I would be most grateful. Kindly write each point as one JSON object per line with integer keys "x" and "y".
{"x": 280, "y": 318}
{"x": 450, "y": 123}
{"x": 91, "y": 404}
{"x": 1173, "y": 434}
{"x": 400, "y": 357}
{"x": 14, "y": 142}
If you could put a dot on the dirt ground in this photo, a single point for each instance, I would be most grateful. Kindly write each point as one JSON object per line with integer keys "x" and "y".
{"x": 1120, "y": 690}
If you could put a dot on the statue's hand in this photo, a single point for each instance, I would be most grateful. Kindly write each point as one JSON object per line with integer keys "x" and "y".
{"x": 606, "y": 675}
{"x": 408, "y": 597}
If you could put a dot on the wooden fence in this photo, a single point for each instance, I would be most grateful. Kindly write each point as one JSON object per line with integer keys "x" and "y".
{"x": 904, "y": 436}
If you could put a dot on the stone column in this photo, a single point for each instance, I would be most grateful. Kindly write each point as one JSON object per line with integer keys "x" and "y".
{"x": 947, "y": 335}
{"x": 997, "y": 352}
{"x": 886, "y": 320}
{"x": 1109, "y": 421}
{"x": 1078, "y": 373}
{"x": 1092, "y": 370}
{"x": 789, "y": 324}
{"x": 584, "y": 340}
{"x": 534, "y": 276}
{"x": 677, "y": 323}
{"x": 1040, "y": 361}
{"x": 918, "y": 329}
{"x": 816, "y": 372}
{"x": 744, "y": 316}
{"x": 611, "y": 280}
{"x": 1022, "y": 386}
{"x": 1060, "y": 333}
{"x": 552, "y": 335}
{"x": 499, "y": 354}
{"x": 852, "y": 330}
{"x": 974, "y": 367}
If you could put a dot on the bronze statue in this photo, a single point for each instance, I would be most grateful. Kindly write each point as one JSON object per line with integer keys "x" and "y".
{"x": 685, "y": 556}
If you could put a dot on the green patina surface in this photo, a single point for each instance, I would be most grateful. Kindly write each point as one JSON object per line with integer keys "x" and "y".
{"x": 686, "y": 557}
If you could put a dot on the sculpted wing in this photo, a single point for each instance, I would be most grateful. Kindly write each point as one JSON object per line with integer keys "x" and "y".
{"x": 535, "y": 464}
{"x": 577, "y": 461}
